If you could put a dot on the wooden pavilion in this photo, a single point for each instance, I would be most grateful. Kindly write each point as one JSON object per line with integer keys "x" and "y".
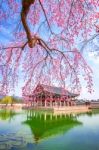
{"x": 49, "y": 96}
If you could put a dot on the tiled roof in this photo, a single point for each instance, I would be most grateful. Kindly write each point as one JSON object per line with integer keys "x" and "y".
{"x": 57, "y": 90}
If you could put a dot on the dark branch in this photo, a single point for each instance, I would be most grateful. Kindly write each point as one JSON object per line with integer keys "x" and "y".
{"x": 24, "y": 12}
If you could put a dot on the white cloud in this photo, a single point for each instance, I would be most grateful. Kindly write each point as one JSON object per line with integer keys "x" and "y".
{"x": 93, "y": 57}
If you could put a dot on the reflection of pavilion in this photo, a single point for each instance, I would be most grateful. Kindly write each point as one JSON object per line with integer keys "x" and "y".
{"x": 44, "y": 125}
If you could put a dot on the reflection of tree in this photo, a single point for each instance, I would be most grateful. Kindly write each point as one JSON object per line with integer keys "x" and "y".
{"x": 95, "y": 112}
{"x": 7, "y": 114}
{"x": 90, "y": 113}
{"x": 46, "y": 125}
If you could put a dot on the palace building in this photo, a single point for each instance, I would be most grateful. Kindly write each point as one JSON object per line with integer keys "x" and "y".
{"x": 50, "y": 96}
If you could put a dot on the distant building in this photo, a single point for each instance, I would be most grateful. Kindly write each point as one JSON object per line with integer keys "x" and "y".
{"x": 94, "y": 104}
{"x": 49, "y": 96}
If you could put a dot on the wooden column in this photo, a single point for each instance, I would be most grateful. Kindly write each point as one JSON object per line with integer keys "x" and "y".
{"x": 36, "y": 101}
{"x": 40, "y": 99}
{"x": 56, "y": 103}
{"x": 67, "y": 103}
{"x": 32, "y": 101}
{"x": 60, "y": 103}
{"x": 64, "y": 103}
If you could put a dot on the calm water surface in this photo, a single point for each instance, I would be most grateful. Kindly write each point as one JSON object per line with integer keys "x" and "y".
{"x": 30, "y": 130}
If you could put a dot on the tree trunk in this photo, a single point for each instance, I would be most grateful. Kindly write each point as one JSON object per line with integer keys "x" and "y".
{"x": 24, "y": 12}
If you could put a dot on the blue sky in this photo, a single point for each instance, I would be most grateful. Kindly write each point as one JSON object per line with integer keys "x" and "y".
{"x": 93, "y": 61}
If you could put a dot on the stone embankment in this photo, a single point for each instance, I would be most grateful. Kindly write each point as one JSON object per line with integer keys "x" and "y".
{"x": 71, "y": 109}
{"x": 9, "y": 106}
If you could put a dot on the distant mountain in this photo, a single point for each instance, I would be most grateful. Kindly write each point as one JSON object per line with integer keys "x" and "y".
{"x": 17, "y": 97}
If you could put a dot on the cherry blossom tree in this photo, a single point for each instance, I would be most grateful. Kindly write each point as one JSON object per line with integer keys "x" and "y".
{"x": 44, "y": 45}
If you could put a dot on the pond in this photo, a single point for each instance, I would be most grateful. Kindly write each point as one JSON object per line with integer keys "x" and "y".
{"x": 38, "y": 130}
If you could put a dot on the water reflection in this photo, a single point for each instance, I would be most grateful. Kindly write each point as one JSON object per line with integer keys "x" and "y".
{"x": 45, "y": 125}
{"x": 13, "y": 135}
{"x": 91, "y": 113}
{"x": 31, "y": 130}
{"x": 7, "y": 114}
